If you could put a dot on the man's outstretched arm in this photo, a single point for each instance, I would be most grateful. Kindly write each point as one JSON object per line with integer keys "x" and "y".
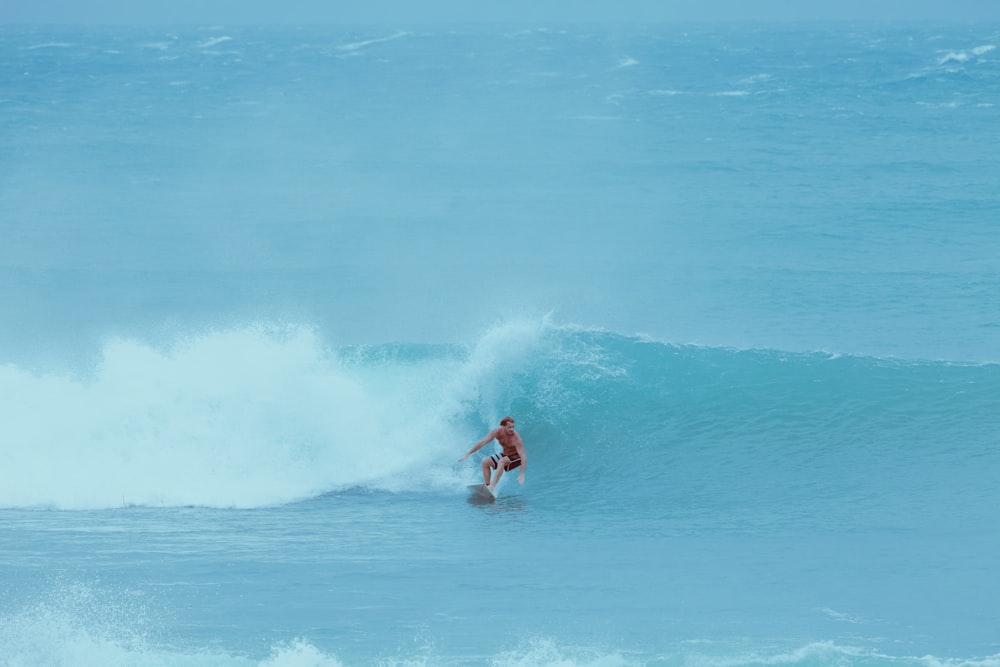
{"x": 489, "y": 436}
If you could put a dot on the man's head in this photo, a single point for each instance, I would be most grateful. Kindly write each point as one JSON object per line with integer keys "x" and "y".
{"x": 507, "y": 423}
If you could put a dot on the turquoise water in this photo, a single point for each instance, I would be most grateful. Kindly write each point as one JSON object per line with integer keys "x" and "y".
{"x": 263, "y": 287}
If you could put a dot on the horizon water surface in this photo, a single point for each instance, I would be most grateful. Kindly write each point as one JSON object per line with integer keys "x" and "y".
{"x": 262, "y": 287}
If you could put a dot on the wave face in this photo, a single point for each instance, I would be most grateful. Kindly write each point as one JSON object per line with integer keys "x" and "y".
{"x": 266, "y": 415}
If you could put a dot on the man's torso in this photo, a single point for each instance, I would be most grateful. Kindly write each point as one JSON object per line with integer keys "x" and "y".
{"x": 509, "y": 443}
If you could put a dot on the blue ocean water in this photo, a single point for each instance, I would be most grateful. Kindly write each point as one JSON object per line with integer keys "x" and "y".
{"x": 262, "y": 287}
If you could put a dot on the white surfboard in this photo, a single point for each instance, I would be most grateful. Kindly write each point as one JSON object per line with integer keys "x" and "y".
{"x": 483, "y": 491}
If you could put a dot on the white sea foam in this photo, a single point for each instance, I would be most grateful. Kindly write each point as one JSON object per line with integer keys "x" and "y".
{"x": 215, "y": 41}
{"x": 355, "y": 46}
{"x": 234, "y": 418}
{"x": 548, "y": 653}
{"x": 965, "y": 56}
{"x": 49, "y": 45}
{"x": 90, "y": 624}
{"x": 84, "y": 624}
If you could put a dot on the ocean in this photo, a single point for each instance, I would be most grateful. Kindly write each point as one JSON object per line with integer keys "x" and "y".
{"x": 739, "y": 285}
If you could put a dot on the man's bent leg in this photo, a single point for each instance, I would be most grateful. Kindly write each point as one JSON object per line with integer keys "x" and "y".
{"x": 500, "y": 468}
{"x": 487, "y": 464}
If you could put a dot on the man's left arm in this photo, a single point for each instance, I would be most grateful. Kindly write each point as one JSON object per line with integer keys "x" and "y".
{"x": 519, "y": 446}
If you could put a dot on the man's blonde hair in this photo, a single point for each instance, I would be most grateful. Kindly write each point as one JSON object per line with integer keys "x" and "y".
{"x": 508, "y": 418}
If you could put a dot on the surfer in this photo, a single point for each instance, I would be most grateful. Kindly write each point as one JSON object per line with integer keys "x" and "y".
{"x": 513, "y": 455}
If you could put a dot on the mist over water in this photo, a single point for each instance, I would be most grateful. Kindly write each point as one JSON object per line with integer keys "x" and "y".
{"x": 720, "y": 187}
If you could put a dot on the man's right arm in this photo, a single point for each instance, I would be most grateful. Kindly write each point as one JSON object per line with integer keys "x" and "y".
{"x": 489, "y": 436}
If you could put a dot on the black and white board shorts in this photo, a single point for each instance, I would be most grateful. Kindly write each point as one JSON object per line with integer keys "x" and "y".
{"x": 515, "y": 461}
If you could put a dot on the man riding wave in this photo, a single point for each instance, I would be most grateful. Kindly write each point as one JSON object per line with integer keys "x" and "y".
{"x": 513, "y": 455}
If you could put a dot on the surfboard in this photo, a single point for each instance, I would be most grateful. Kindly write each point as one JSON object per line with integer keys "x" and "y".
{"x": 483, "y": 491}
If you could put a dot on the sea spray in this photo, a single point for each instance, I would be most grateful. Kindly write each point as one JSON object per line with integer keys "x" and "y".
{"x": 242, "y": 417}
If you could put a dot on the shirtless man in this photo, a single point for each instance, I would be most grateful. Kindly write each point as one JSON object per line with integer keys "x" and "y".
{"x": 513, "y": 455}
